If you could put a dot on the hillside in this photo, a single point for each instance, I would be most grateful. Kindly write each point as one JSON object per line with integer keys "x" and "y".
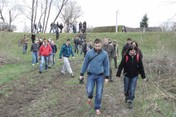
{"x": 26, "y": 93}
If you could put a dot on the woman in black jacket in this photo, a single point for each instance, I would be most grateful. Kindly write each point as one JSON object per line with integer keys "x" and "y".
{"x": 133, "y": 66}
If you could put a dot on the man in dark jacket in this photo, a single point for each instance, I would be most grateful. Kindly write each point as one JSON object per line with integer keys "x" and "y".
{"x": 34, "y": 51}
{"x": 111, "y": 53}
{"x": 132, "y": 65}
{"x": 126, "y": 46}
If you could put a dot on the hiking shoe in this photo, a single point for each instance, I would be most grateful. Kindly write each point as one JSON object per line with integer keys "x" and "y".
{"x": 63, "y": 73}
{"x": 130, "y": 104}
{"x": 98, "y": 112}
{"x": 40, "y": 72}
{"x": 126, "y": 99}
{"x": 111, "y": 80}
{"x": 72, "y": 75}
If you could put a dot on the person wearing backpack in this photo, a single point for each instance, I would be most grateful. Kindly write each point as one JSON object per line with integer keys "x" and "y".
{"x": 96, "y": 63}
{"x": 133, "y": 66}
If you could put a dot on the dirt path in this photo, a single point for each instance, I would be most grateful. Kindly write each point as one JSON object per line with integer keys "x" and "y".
{"x": 52, "y": 95}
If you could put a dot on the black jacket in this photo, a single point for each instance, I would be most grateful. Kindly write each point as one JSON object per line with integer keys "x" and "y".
{"x": 132, "y": 67}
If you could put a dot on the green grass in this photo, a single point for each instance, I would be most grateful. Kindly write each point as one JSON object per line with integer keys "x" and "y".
{"x": 149, "y": 100}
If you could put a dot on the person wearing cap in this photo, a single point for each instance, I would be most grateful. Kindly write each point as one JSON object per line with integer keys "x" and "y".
{"x": 65, "y": 52}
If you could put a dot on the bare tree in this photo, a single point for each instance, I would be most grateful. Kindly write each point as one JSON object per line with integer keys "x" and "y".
{"x": 35, "y": 11}
{"x": 45, "y": 12}
{"x": 32, "y": 16}
{"x": 48, "y": 15}
{"x": 41, "y": 10}
{"x": 13, "y": 11}
{"x": 71, "y": 12}
{"x": 60, "y": 7}
{"x": 2, "y": 5}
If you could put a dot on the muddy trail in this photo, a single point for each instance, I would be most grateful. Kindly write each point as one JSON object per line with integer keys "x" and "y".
{"x": 51, "y": 94}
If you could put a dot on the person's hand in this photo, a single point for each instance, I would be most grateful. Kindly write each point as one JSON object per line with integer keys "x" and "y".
{"x": 81, "y": 80}
{"x": 106, "y": 81}
{"x": 145, "y": 79}
{"x": 80, "y": 77}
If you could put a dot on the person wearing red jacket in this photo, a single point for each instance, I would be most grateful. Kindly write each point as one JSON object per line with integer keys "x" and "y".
{"x": 44, "y": 52}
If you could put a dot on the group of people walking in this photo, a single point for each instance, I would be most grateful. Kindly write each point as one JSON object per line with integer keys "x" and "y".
{"x": 98, "y": 65}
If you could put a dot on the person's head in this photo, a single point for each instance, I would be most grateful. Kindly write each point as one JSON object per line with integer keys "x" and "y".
{"x": 97, "y": 44}
{"x": 134, "y": 43}
{"x": 105, "y": 41}
{"x": 24, "y": 36}
{"x": 129, "y": 40}
{"x": 68, "y": 41}
{"x": 52, "y": 42}
{"x": 132, "y": 50}
{"x": 45, "y": 42}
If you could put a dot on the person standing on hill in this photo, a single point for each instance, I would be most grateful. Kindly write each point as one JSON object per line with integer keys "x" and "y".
{"x": 65, "y": 52}
{"x": 44, "y": 53}
{"x": 34, "y": 51}
{"x": 24, "y": 42}
{"x": 111, "y": 53}
{"x": 133, "y": 66}
{"x": 96, "y": 63}
{"x": 54, "y": 49}
{"x": 126, "y": 46}
{"x": 116, "y": 50}
{"x": 57, "y": 34}
{"x": 135, "y": 44}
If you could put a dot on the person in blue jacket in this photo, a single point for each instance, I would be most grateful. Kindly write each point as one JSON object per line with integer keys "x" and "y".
{"x": 96, "y": 63}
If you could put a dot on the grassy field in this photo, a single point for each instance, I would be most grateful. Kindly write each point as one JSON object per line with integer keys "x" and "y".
{"x": 26, "y": 93}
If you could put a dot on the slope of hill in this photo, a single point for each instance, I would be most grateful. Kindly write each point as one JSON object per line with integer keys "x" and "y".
{"x": 26, "y": 93}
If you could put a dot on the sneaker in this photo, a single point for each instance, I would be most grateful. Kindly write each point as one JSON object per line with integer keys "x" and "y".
{"x": 37, "y": 63}
{"x": 40, "y": 72}
{"x": 72, "y": 75}
{"x": 63, "y": 73}
{"x": 98, "y": 112}
{"x": 33, "y": 64}
{"x": 130, "y": 104}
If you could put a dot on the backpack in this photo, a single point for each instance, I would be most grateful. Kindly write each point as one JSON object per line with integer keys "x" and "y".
{"x": 137, "y": 58}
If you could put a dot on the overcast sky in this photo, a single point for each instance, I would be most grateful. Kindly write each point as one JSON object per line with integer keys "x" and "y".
{"x": 130, "y": 12}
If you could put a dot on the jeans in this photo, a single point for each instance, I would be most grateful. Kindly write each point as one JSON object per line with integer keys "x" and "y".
{"x": 25, "y": 48}
{"x": 97, "y": 80}
{"x": 44, "y": 59}
{"x": 130, "y": 87}
{"x": 34, "y": 57}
